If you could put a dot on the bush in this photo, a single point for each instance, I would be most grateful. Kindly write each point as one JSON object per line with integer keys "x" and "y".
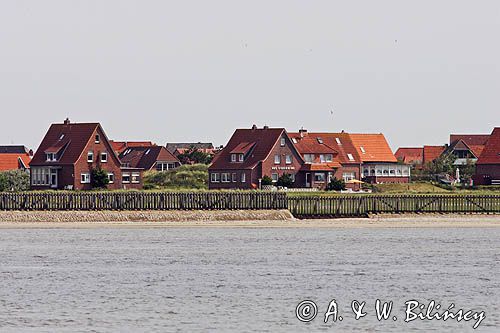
{"x": 186, "y": 176}
{"x": 99, "y": 179}
{"x": 336, "y": 185}
{"x": 15, "y": 180}
{"x": 194, "y": 156}
{"x": 266, "y": 180}
{"x": 285, "y": 180}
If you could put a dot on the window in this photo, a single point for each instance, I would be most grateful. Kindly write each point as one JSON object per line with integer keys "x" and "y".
{"x": 319, "y": 177}
{"x": 170, "y": 166}
{"x": 328, "y": 157}
{"x": 233, "y": 157}
{"x": 159, "y": 166}
{"x": 309, "y": 158}
{"x": 292, "y": 177}
{"x": 97, "y": 138}
{"x": 61, "y": 137}
{"x": 338, "y": 141}
{"x": 277, "y": 159}
{"x": 347, "y": 176}
{"x": 233, "y": 177}
{"x": 243, "y": 177}
{"x": 136, "y": 177}
{"x": 147, "y": 151}
{"x": 274, "y": 177}
{"x": 90, "y": 156}
{"x": 85, "y": 178}
{"x": 240, "y": 157}
{"x": 104, "y": 157}
{"x": 294, "y": 140}
{"x": 322, "y": 158}
{"x": 288, "y": 159}
{"x": 224, "y": 177}
{"x": 282, "y": 142}
{"x": 51, "y": 157}
{"x": 41, "y": 176}
{"x": 214, "y": 177}
{"x": 320, "y": 140}
{"x": 111, "y": 177}
{"x": 350, "y": 157}
{"x": 126, "y": 178}
{"x": 362, "y": 149}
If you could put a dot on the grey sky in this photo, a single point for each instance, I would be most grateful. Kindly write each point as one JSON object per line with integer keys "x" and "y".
{"x": 196, "y": 70}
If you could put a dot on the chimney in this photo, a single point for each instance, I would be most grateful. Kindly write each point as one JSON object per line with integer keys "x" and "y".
{"x": 66, "y": 121}
{"x": 254, "y": 127}
{"x": 266, "y": 127}
{"x": 30, "y": 152}
{"x": 302, "y": 132}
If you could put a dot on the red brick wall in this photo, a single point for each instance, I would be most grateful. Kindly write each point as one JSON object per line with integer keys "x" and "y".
{"x": 268, "y": 166}
{"x": 382, "y": 179}
{"x": 491, "y": 171}
{"x": 231, "y": 185}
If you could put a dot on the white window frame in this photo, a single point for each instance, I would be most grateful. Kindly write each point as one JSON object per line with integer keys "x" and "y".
{"x": 214, "y": 177}
{"x": 329, "y": 157}
{"x": 350, "y": 157}
{"x": 90, "y": 156}
{"x": 52, "y": 157}
{"x": 243, "y": 177}
{"x": 346, "y": 176}
{"x": 126, "y": 174}
{"x": 97, "y": 138}
{"x": 282, "y": 142}
{"x": 322, "y": 158}
{"x": 233, "y": 177}
{"x": 111, "y": 177}
{"x": 323, "y": 177}
{"x": 135, "y": 177}
{"x": 309, "y": 158}
{"x": 85, "y": 178}
{"x": 240, "y": 158}
{"x": 104, "y": 157}
{"x": 288, "y": 159}
{"x": 225, "y": 177}
{"x": 233, "y": 157}
{"x": 277, "y": 159}
{"x": 275, "y": 177}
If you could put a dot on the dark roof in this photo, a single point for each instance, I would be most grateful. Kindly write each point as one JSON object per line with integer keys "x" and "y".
{"x": 410, "y": 155}
{"x": 491, "y": 152}
{"x": 264, "y": 140}
{"x": 146, "y": 157}
{"x": 73, "y": 136}
{"x": 469, "y": 139}
{"x": 172, "y": 146}
{"x": 120, "y": 146}
{"x": 13, "y": 150}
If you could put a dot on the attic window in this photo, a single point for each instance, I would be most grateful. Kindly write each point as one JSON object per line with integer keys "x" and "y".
{"x": 320, "y": 140}
{"x": 61, "y": 137}
{"x": 338, "y": 141}
{"x": 282, "y": 142}
{"x": 350, "y": 157}
{"x": 233, "y": 157}
{"x": 51, "y": 157}
{"x": 240, "y": 157}
{"x": 147, "y": 151}
{"x": 294, "y": 140}
{"x": 97, "y": 138}
{"x": 362, "y": 149}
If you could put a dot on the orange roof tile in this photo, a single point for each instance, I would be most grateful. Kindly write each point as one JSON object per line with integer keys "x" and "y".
{"x": 432, "y": 152}
{"x": 372, "y": 147}
{"x": 410, "y": 155}
{"x": 12, "y": 161}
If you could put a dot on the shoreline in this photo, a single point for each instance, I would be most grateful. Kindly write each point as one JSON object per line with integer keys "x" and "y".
{"x": 250, "y": 219}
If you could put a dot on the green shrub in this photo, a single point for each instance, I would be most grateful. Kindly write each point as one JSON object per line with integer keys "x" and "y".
{"x": 184, "y": 177}
{"x": 266, "y": 180}
{"x": 336, "y": 185}
{"x": 285, "y": 180}
{"x": 14, "y": 180}
{"x": 99, "y": 179}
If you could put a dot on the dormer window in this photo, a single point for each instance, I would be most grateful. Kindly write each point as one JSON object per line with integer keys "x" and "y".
{"x": 350, "y": 157}
{"x": 338, "y": 141}
{"x": 282, "y": 142}
{"x": 97, "y": 138}
{"x": 90, "y": 156}
{"x": 233, "y": 157}
{"x": 51, "y": 157}
{"x": 328, "y": 157}
{"x": 294, "y": 140}
{"x": 320, "y": 140}
{"x": 240, "y": 157}
{"x": 362, "y": 149}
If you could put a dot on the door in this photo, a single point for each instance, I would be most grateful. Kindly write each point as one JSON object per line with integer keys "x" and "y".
{"x": 53, "y": 178}
{"x": 308, "y": 180}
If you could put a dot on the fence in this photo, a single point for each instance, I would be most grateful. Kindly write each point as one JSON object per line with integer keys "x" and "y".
{"x": 142, "y": 201}
{"x": 362, "y": 205}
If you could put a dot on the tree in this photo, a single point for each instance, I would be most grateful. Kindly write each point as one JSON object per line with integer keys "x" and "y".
{"x": 194, "y": 156}
{"x": 442, "y": 164}
{"x": 14, "y": 180}
{"x": 99, "y": 179}
{"x": 266, "y": 180}
{"x": 186, "y": 176}
{"x": 336, "y": 185}
{"x": 285, "y": 180}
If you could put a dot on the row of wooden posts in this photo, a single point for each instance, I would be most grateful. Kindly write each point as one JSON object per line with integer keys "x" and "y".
{"x": 301, "y": 206}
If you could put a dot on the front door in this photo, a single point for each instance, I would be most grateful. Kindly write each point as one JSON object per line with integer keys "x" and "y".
{"x": 53, "y": 178}
{"x": 308, "y": 180}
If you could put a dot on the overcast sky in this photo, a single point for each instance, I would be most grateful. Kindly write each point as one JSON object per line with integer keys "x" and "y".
{"x": 196, "y": 70}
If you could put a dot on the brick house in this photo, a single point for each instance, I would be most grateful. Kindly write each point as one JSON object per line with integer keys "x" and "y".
{"x": 252, "y": 154}
{"x": 120, "y": 146}
{"x": 70, "y": 151}
{"x": 466, "y": 147}
{"x": 379, "y": 165}
{"x": 488, "y": 163}
{"x": 150, "y": 157}
{"x": 15, "y": 158}
{"x": 326, "y": 156}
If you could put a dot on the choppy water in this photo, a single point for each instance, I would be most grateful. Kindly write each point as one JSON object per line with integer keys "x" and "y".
{"x": 241, "y": 279}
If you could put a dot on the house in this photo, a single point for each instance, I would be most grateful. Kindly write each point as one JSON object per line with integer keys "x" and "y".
{"x": 252, "y": 154}
{"x": 326, "y": 156}
{"x": 69, "y": 153}
{"x": 488, "y": 163}
{"x": 413, "y": 156}
{"x": 150, "y": 157}
{"x": 431, "y": 153}
{"x": 466, "y": 147}
{"x": 120, "y": 146}
{"x": 177, "y": 148}
{"x": 15, "y": 158}
{"x": 379, "y": 165}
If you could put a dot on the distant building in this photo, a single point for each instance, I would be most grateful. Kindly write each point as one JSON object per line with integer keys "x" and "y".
{"x": 120, "y": 146}
{"x": 15, "y": 158}
{"x": 70, "y": 151}
{"x": 431, "y": 153}
{"x": 149, "y": 158}
{"x": 177, "y": 148}
{"x": 466, "y": 147}
{"x": 488, "y": 163}
{"x": 413, "y": 156}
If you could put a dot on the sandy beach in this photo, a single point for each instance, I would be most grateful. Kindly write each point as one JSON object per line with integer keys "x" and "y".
{"x": 378, "y": 221}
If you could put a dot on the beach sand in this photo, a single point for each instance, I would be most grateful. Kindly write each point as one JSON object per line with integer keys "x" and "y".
{"x": 378, "y": 221}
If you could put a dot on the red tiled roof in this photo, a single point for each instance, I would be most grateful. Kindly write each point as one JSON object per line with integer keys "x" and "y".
{"x": 375, "y": 146}
{"x": 310, "y": 144}
{"x": 432, "y": 152}
{"x": 120, "y": 146}
{"x": 76, "y": 135}
{"x": 476, "y": 149}
{"x": 470, "y": 139}
{"x": 264, "y": 139}
{"x": 491, "y": 151}
{"x": 410, "y": 155}
{"x": 242, "y": 148}
{"x": 146, "y": 157}
{"x": 320, "y": 166}
{"x": 342, "y": 149}
{"x": 14, "y": 161}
